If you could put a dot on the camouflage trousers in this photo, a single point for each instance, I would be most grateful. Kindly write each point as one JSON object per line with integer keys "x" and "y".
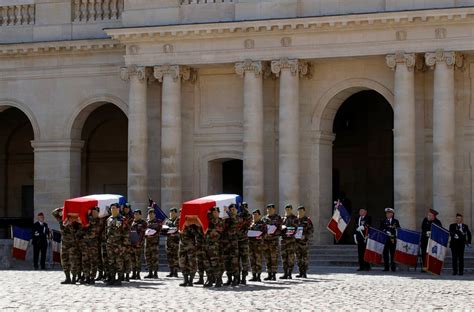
{"x": 244, "y": 254}
{"x": 270, "y": 251}
{"x": 75, "y": 257}
{"x": 172, "y": 250}
{"x": 256, "y": 255}
{"x": 302, "y": 254}
{"x": 151, "y": 253}
{"x": 65, "y": 260}
{"x": 115, "y": 258}
{"x": 212, "y": 258}
{"x": 92, "y": 250}
{"x": 187, "y": 258}
{"x": 104, "y": 260}
{"x": 288, "y": 248}
{"x": 200, "y": 258}
{"x": 231, "y": 256}
{"x": 137, "y": 258}
{"x": 128, "y": 259}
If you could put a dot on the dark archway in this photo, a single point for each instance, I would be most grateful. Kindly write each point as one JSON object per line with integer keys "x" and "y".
{"x": 104, "y": 157}
{"x": 225, "y": 176}
{"x": 363, "y": 154}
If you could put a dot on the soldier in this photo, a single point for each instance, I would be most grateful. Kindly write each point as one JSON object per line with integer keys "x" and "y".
{"x": 460, "y": 237}
{"x": 67, "y": 242}
{"x": 200, "y": 255}
{"x": 212, "y": 249}
{"x": 137, "y": 231}
{"x": 82, "y": 263}
{"x": 256, "y": 245}
{"x": 245, "y": 219}
{"x": 426, "y": 233}
{"x": 390, "y": 226}
{"x": 172, "y": 243}
{"x": 127, "y": 217}
{"x": 360, "y": 237}
{"x": 187, "y": 252}
{"x": 152, "y": 243}
{"x": 304, "y": 231}
{"x": 288, "y": 244}
{"x": 90, "y": 246}
{"x": 231, "y": 249}
{"x": 270, "y": 247}
{"x": 104, "y": 260}
{"x": 116, "y": 234}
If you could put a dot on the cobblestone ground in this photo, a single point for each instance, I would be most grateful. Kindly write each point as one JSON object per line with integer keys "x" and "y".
{"x": 40, "y": 290}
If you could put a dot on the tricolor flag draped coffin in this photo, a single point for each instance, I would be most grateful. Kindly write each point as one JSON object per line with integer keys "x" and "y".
{"x": 408, "y": 244}
{"x": 375, "y": 245}
{"x": 436, "y": 250}
{"x": 339, "y": 220}
{"x": 21, "y": 240}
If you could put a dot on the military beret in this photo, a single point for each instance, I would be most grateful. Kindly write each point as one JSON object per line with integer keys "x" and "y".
{"x": 40, "y": 214}
{"x": 271, "y": 206}
{"x": 288, "y": 206}
{"x": 257, "y": 211}
{"x": 232, "y": 206}
{"x": 389, "y": 210}
{"x": 301, "y": 208}
{"x": 433, "y": 211}
{"x": 137, "y": 211}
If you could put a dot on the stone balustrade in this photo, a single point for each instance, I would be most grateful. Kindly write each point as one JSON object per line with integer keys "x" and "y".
{"x": 15, "y": 15}
{"x": 96, "y": 10}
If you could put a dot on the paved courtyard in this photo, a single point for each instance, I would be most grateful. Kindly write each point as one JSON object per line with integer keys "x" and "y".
{"x": 40, "y": 290}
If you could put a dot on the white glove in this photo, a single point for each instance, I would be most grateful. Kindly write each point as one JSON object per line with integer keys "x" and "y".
{"x": 355, "y": 239}
{"x": 389, "y": 233}
{"x": 360, "y": 228}
{"x": 428, "y": 234}
{"x": 456, "y": 236}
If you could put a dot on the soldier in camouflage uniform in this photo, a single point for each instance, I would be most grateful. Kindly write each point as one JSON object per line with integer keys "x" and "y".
{"x": 104, "y": 260}
{"x": 127, "y": 217}
{"x": 75, "y": 252}
{"x": 302, "y": 245}
{"x": 172, "y": 243}
{"x": 92, "y": 243}
{"x": 231, "y": 250}
{"x": 256, "y": 245}
{"x": 116, "y": 234}
{"x": 152, "y": 244}
{"x": 270, "y": 246}
{"x": 200, "y": 256}
{"x": 245, "y": 219}
{"x": 137, "y": 228}
{"x": 67, "y": 242}
{"x": 187, "y": 252}
{"x": 288, "y": 244}
{"x": 212, "y": 249}
{"x": 82, "y": 264}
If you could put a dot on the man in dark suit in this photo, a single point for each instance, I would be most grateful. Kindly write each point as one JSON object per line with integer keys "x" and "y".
{"x": 360, "y": 236}
{"x": 426, "y": 233}
{"x": 389, "y": 226}
{"x": 460, "y": 237}
{"x": 40, "y": 241}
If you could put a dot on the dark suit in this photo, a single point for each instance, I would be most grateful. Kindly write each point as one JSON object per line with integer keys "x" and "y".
{"x": 426, "y": 227}
{"x": 40, "y": 243}
{"x": 460, "y": 236}
{"x": 390, "y": 227}
{"x": 361, "y": 242}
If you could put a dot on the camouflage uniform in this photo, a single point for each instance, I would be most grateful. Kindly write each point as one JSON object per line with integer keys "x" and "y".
{"x": 245, "y": 219}
{"x": 139, "y": 227}
{"x": 302, "y": 244}
{"x": 115, "y": 237}
{"x": 67, "y": 244}
{"x": 187, "y": 253}
{"x": 172, "y": 246}
{"x": 231, "y": 249}
{"x": 127, "y": 245}
{"x": 256, "y": 248}
{"x": 288, "y": 245}
{"x": 212, "y": 250}
{"x": 92, "y": 245}
{"x": 82, "y": 263}
{"x": 200, "y": 257}
{"x": 270, "y": 246}
{"x": 152, "y": 245}
{"x": 104, "y": 260}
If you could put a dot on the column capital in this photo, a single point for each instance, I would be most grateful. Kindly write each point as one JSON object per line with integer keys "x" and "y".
{"x": 294, "y": 65}
{"x": 57, "y": 145}
{"x": 142, "y": 72}
{"x": 248, "y": 65}
{"x": 440, "y": 56}
{"x": 175, "y": 71}
{"x": 400, "y": 57}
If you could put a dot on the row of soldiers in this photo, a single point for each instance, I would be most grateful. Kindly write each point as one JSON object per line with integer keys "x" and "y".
{"x": 112, "y": 247}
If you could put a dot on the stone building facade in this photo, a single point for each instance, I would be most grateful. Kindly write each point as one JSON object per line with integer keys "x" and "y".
{"x": 285, "y": 101}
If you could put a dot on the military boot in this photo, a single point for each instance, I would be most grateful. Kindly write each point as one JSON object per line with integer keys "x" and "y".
{"x": 100, "y": 277}
{"x": 254, "y": 277}
{"x": 171, "y": 273}
{"x": 243, "y": 280}
{"x": 269, "y": 277}
{"x": 127, "y": 277}
{"x": 150, "y": 274}
{"x": 118, "y": 282}
{"x": 218, "y": 281}
{"x": 155, "y": 275}
{"x": 229, "y": 280}
{"x": 185, "y": 281}
{"x": 290, "y": 272}
{"x": 68, "y": 278}
{"x": 274, "y": 276}
{"x": 284, "y": 276}
{"x": 191, "y": 280}
{"x": 138, "y": 276}
{"x": 83, "y": 281}
{"x": 304, "y": 274}
{"x": 134, "y": 275}
{"x": 259, "y": 278}
{"x": 91, "y": 281}
{"x": 74, "y": 279}
{"x": 209, "y": 281}
{"x": 110, "y": 280}
{"x": 300, "y": 274}
{"x": 201, "y": 279}
{"x": 236, "y": 280}
{"x": 175, "y": 274}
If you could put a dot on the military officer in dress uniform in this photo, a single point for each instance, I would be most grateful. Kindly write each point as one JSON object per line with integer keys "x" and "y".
{"x": 360, "y": 236}
{"x": 389, "y": 226}
{"x": 460, "y": 237}
{"x": 426, "y": 232}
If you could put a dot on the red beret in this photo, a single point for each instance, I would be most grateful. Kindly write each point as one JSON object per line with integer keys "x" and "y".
{"x": 434, "y": 212}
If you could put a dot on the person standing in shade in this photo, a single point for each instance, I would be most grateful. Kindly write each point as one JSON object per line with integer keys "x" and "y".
{"x": 270, "y": 247}
{"x": 305, "y": 226}
{"x": 389, "y": 226}
{"x": 460, "y": 237}
{"x": 40, "y": 241}
{"x": 138, "y": 229}
{"x": 256, "y": 245}
{"x": 172, "y": 243}
{"x": 360, "y": 236}
{"x": 426, "y": 233}
{"x": 288, "y": 243}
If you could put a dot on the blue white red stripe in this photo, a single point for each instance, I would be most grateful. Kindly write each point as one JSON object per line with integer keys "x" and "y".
{"x": 375, "y": 245}
{"x": 408, "y": 244}
{"x": 339, "y": 221}
{"x": 436, "y": 250}
{"x": 21, "y": 240}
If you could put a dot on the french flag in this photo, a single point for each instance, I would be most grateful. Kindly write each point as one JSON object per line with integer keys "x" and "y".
{"x": 339, "y": 221}
{"x": 375, "y": 245}
{"x": 21, "y": 240}
{"x": 408, "y": 243}
{"x": 56, "y": 246}
{"x": 436, "y": 249}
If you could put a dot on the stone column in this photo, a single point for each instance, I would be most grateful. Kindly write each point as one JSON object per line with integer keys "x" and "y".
{"x": 57, "y": 174}
{"x": 253, "y": 175}
{"x": 170, "y": 76}
{"x": 289, "y": 72}
{"x": 404, "y": 139}
{"x": 137, "y": 135}
{"x": 443, "y": 133}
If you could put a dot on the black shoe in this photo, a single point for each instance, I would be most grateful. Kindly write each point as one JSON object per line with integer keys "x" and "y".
{"x": 191, "y": 280}
{"x": 269, "y": 277}
{"x": 201, "y": 279}
{"x": 155, "y": 275}
{"x": 289, "y": 274}
{"x": 134, "y": 275}
{"x": 209, "y": 281}
{"x": 274, "y": 276}
{"x": 259, "y": 279}
{"x": 304, "y": 274}
{"x": 254, "y": 277}
{"x": 127, "y": 277}
{"x": 171, "y": 274}
{"x": 218, "y": 282}
{"x": 138, "y": 276}
{"x": 185, "y": 281}
{"x": 284, "y": 276}
{"x": 74, "y": 279}
{"x": 150, "y": 274}
{"x": 68, "y": 278}
{"x": 235, "y": 281}
{"x": 243, "y": 280}
{"x": 100, "y": 277}
{"x": 229, "y": 280}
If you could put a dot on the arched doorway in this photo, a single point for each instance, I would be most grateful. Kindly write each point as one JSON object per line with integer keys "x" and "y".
{"x": 104, "y": 156}
{"x": 225, "y": 176}
{"x": 16, "y": 170}
{"x": 363, "y": 154}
